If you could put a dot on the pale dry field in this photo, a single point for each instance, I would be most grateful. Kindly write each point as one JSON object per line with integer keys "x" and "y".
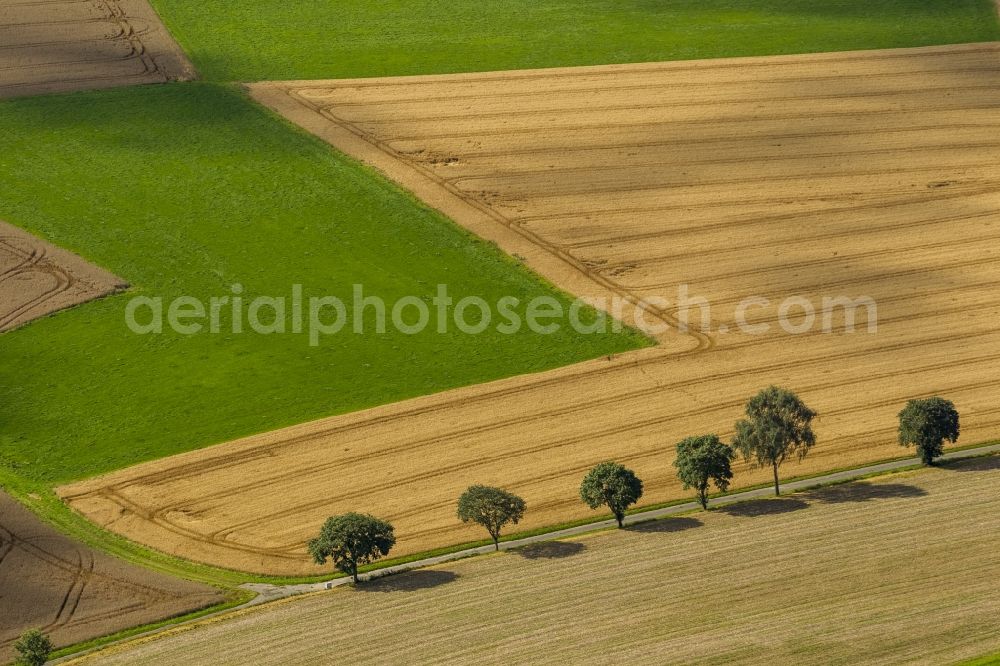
{"x": 852, "y": 174}
{"x": 61, "y": 45}
{"x": 891, "y": 571}
{"x": 38, "y": 278}
{"x": 73, "y": 593}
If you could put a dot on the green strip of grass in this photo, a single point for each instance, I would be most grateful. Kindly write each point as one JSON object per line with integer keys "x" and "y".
{"x": 277, "y": 39}
{"x": 186, "y": 189}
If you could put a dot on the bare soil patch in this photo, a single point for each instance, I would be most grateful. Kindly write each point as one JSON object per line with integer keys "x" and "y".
{"x": 38, "y": 278}
{"x": 856, "y": 174}
{"x": 63, "y": 45}
{"x": 906, "y": 578}
{"x": 48, "y": 581}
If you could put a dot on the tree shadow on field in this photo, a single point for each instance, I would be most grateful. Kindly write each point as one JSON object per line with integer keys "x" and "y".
{"x": 763, "y": 507}
{"x": 982, "y": 464}
{"x": 864, "y": 492}
{"x": 551, "y": 550}
{"x": 410, "y": 581}
{"x": 665, "y": 525}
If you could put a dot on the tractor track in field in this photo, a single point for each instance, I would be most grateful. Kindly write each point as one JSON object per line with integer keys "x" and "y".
{"x": 970, "y": 263}
{"x": 458, "y": 435}
{"x": 703, "y": 340}
{"x": 760, "y": 180}
{"x": 873, "y": 191}
{"x": 814, "y": 263}
{"x": 580, "y": 170}
{"x": 875, "y": 206}
{"x": 296, "y": 550}
{"x": 65, "y": 55}
{"x": 31, "y": 264}
{"x": 444, "y": 118}
{"x": 835, "y": 235}
{"x": 649, "y": 125}
{"x": 614, "y": 430}
{"x": 930, "y": 494}
{"x": 293, "y": 552}
{"x": 71, "y": 592}
{"x": 704, "y": 141}
{"x": 79, "y": 571}
{"x": 267, "y": 450}
{"x": 37, "y": 279}
{"x": 611, "y": 86}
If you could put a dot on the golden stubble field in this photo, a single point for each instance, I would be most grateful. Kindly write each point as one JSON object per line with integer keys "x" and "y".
{"x": 890, "y": 571}
{"x": 868, "y": 174}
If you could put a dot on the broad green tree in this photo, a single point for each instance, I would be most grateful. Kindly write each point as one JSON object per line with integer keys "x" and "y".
{"x": 493, "y": 508}
{"x": 611, "y": 485}
{"x": 926, "y": 424}
{"x": 33, "y": 648}
{"x": 351, "y": 541}
{"x": 777, "y": 426}
{"x": 703, "y": 460}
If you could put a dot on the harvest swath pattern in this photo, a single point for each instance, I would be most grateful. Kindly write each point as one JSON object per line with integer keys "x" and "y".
{"x": 59, "y": 45}
{"x": 853, "y": 174}
{"x": 810, "y": 579}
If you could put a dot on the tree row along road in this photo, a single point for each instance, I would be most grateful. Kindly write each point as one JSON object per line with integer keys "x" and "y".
{"x": 271, "y": 592}
{"x": 268, "y": 593}
{"x": 817, "y": 572}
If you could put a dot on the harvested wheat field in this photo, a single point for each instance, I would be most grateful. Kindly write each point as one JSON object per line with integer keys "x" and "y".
{"x": 37, "y": 278}
{"x": 62, "y": 45}
{"x": 893, "y": 570}
{"x": 870, "y": 174}
{"x": 51, "y": 582}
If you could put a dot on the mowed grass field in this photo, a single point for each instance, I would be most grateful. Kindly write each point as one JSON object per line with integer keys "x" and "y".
{"x": 901, "y": 569}
{"x": 186, "y": 190}
{"x": 276, "y": 39}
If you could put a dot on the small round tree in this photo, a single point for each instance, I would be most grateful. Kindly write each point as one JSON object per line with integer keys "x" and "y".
{"x": 33, "y": 648}
{"x": 611, "y": 485}
{"x": 702, "y": 460}
{"x": 777, "y": 425}
{"x": 352, "y": 540}
{"x": 926, "y": 424}
{"x": 492, "y": 508}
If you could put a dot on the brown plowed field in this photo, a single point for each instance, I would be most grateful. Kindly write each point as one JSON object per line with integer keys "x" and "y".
{"x": 37, "y": 278}
{"x": 853, "y": 174}
{"x": 51, "y": 582}
{"x": 901, "y": 570}
{"x": 61, "y": 45}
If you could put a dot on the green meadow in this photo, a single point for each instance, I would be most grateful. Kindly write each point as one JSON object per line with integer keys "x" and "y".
{"x": 312, "y": 39}
{"x": 186, "y": 190}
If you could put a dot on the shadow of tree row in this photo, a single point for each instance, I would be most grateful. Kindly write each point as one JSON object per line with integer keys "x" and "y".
{"x": 857, "y": 491}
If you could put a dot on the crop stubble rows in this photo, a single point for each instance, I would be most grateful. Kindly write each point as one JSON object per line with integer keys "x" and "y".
{"x": 870, "y": 173}
{"x": 51, "y": 46}
{"x": 815, "y": 578}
